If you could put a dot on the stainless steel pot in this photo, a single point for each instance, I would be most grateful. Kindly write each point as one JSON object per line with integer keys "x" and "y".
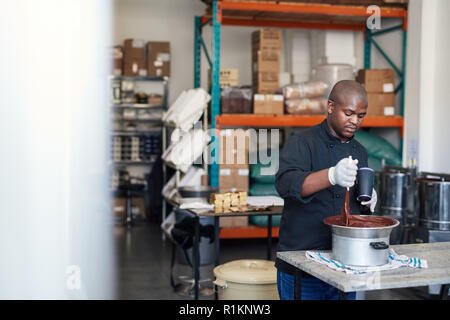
{"x": 395, "y": 190}
{"x": 362, "y": 246}
{"x": 433, "y": 191}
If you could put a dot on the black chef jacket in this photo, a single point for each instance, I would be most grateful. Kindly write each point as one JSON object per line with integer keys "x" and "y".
{"x": 301, "y": 226}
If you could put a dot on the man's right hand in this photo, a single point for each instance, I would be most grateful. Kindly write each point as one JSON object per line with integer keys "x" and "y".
{"x": 344, "y": 173}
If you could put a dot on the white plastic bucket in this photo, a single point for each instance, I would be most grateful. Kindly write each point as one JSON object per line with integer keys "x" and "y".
{"x": 247, "y": 280}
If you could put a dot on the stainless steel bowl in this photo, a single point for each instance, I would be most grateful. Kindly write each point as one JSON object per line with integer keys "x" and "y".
{"x": 362, "y": 246}
{"x": 365, "y": 233}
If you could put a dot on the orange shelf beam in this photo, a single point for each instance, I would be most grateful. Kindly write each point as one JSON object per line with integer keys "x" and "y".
{"x": 256, "y": 120}
{"x": 278, "y": 121}
{"x": 244, "y": 22}
{"x": 310, "y": 8}
{"x": 247, "y": 232}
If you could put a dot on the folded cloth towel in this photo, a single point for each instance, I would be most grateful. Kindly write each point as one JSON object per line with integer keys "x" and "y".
{"x": 264, "y": 201}
{"x": 196, "y": 205}
{"x": 395, "y": 261}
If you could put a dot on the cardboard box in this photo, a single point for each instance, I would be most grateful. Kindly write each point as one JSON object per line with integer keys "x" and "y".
{"x": 117, "y": 60}
{"x": 134, "y": 63}
{"x": 268, "y": 104}
{"x": 265, "y": 82}
{"x": 266, "y": 60}
{"x": 227, "y": 77}
{"x": 205, "y": 180}
{"x": 377, "y": 80}
{"x": 134, "y": 67}
{"x": 134, "y": 48}
{"x": 233, "y": 178}
{"x": 158, "y": 59}
{"x": 119, "y": 207}
{"x": 381, "y": 104}
{"x": 138, "y": 207}
{"x": 155, "y": 99}
{"x": 234, "y": 145}
{"x": 266, "y": 39}
{"x": 233, "y": 222}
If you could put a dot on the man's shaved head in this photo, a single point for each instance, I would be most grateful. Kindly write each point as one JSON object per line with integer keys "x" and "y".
{"x": 347, "y": 107}
{"x": 346, "y": 88}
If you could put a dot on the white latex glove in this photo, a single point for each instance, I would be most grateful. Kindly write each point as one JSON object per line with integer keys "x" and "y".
{"x": 344, "y": 173}
{"x": 372, "y": 202}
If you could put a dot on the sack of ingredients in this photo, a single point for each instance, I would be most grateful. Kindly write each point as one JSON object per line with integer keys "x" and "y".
{"x": 307, "y": 106}
{"x": 305, "y": 90}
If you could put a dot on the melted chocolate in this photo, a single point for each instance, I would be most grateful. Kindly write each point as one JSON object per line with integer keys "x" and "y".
{"x": 345, "y": 212}
{"x": 357, "y": 221}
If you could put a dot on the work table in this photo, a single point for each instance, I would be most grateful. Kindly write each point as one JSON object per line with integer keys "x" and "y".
{"x": 438, "y": 272}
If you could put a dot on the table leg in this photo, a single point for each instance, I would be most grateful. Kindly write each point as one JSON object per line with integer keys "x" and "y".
{"x": 129, "y": 219}
{"x": 443, "y": 295}
{"x": 342, "y": 295}
{"x": 216, "y": 239}
{"x": 269, "y": 237}
{"x": 297, "y": 285}
{"x": 196, "y": 256}
{"x": 216, "y": 250}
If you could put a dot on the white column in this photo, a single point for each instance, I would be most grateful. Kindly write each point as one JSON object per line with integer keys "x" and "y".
{"x": 412, "y": 82}
{"x": 55, "y": 237}
{"x": 427, "y": 95}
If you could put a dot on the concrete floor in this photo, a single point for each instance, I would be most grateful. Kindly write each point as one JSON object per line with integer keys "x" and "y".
{"x": 143, "y": 265}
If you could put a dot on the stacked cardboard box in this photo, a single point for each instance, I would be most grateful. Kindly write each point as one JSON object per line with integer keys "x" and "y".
{"x": 266, "y": 46}
{"x": 268, "y": 103}
{"x": 233, "y": 160}
{"x": 135, "y": 58}
{"x": 119, "y": 207}
{"x": 379, "y": 84}
{"x": 234, "y": 145}
{"x": 227, "y": 77}
{"x": 233, "y": 222}
{"x": 117, "y": 60}
{"x": 134, "y": 61}
{"x": 158, "y": 59}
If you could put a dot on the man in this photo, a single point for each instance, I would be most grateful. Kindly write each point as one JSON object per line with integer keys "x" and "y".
{"x": 313, "y": 175}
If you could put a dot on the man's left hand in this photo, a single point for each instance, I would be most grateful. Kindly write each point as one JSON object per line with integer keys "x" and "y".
{"x": 372, "y": 202}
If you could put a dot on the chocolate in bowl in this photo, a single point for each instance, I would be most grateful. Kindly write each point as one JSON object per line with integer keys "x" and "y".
{"x": 360, "y": 221}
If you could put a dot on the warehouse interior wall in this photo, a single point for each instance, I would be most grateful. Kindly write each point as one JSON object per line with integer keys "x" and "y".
{"x": 427, "y": 109}
{"x": 173, "y": 20}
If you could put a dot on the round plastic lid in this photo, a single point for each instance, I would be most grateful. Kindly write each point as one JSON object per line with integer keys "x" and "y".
{"x": 247, "y": 271}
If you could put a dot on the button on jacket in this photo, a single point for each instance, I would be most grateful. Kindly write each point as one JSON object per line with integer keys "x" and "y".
{"x": 301, "y": 226}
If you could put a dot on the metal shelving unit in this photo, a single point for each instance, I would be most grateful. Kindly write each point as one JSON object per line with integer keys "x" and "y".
{"x": 155, "y": 129}
{"x": 303, "y": 15}
{"x": 290, "y": 15}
